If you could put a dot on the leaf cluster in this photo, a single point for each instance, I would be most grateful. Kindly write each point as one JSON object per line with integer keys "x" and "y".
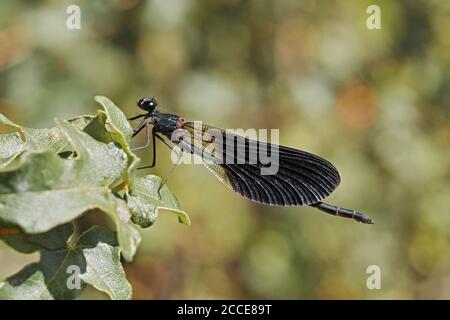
{"x": 49, "y": 178}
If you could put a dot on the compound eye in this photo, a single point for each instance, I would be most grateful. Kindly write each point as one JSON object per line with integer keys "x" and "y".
{"x": 147, "y": 104}
{"x": 141, "y": 102}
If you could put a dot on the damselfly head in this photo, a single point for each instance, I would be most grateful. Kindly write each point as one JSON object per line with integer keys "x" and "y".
{"x": 147, "y": 104}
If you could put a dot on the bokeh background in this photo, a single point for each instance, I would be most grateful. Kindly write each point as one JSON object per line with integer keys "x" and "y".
{"x": 376, "y": 103}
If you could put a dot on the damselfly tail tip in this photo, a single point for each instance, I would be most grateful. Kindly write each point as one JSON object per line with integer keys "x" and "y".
{"x": 360, "y": 217}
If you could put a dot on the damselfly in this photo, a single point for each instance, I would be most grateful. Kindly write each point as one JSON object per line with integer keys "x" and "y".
{"x": 301, "y": 178}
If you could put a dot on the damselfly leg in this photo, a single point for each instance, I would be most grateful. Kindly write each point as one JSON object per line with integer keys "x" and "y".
{"x": 139, "y": 128}
{"x": 145, "y": 124}
{"x": 147, "y": 139}
{"x": 137, "y": 117}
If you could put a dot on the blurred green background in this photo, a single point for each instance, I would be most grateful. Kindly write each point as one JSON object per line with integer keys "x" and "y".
{"x": 376, "y": 103}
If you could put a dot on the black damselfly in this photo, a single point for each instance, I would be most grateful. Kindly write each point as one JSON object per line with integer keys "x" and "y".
{"x": 301, "y": 178}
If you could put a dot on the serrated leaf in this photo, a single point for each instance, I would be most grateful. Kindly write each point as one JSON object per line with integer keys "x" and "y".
{"x": 65, "y": 268}
{"x": 30, "y": 139}
{"x": 145, "y": 202}
{"x": 43, "y": 190}
{"x": 49, "y": 177}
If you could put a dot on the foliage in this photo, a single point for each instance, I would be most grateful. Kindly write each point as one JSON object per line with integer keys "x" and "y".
{"x": 376, "y": 103}
{"x": 51, "y": 177}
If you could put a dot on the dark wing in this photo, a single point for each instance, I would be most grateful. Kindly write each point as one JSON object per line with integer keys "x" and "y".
{"x": 302, "y": 178}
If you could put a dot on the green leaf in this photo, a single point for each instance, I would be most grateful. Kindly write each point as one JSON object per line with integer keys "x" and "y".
{"x": 117, "y": 119}
{"x": 81, "y": 122}
{"x": 145, "y": 202}
{"x": 10, "y": 146}
{"x": 119, "y": 131}
{"x": 128, "y": 236}
{"x": 66, "y": 268}
{"x": 29, "y": 139}
{"x": 97, "y": 129}
{"x": 43, "y": 190}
